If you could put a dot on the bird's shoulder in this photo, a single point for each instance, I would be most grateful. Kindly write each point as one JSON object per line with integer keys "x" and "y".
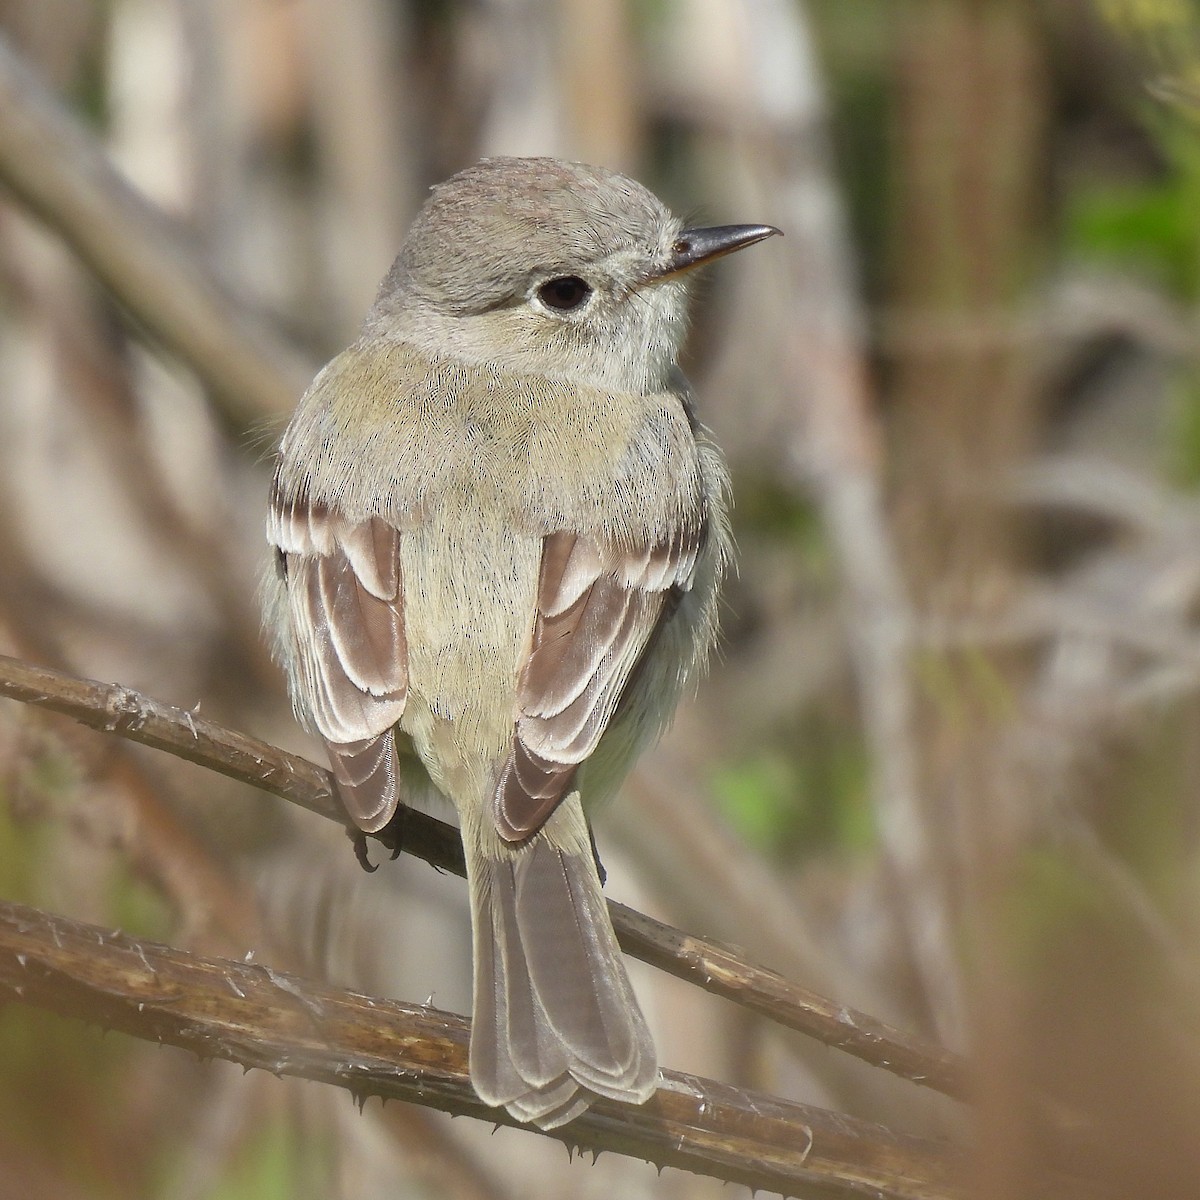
{"x": 412, "y": 430}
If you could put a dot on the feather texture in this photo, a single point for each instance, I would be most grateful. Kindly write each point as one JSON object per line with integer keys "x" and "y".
{"x": 598, "y": 612}
{"x": 346, "y": 602}
{"x": 556, "y": 1022}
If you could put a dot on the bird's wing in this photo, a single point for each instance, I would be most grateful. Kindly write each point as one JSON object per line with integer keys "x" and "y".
{"x": 346, "y": 602}
{"x": 598, "y": 611}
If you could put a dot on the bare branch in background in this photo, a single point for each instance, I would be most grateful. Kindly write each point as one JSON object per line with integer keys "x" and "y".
{"x": 367, "y": 135}
{"x": 834, "y": 450}
{"x": 56, "y": 168}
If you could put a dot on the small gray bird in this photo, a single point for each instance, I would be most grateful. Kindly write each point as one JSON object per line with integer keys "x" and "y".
{"x": 499, "y": 533}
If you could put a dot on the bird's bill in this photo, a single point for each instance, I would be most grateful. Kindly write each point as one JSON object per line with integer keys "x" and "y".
{"x": 694, "y": 247}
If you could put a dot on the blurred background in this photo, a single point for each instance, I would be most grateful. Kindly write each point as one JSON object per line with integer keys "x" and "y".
{"x": 947, "y": 769}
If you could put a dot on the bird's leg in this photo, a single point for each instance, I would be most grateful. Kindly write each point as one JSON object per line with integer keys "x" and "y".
{"x": 596, "y": 856}
{"x": 391, "y": 836}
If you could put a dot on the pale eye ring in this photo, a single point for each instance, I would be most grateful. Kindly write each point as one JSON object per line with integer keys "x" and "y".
{"x": 564, "y": 292}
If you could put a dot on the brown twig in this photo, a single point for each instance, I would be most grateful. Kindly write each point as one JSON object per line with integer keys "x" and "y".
{"x": 714, "y": 968}
{"x": 261, "y": 1018}
{"x": 49, "y": 160}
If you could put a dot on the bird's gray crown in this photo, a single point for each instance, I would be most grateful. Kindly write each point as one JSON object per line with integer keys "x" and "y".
{"x": 485, "y": 232}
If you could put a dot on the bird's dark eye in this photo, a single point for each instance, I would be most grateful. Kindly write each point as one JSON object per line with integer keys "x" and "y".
{"x": 564, "y": 293}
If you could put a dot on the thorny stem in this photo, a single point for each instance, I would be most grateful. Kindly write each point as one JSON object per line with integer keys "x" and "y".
{"x": 711, "y": 966}
{"x": 259, "y": 1017}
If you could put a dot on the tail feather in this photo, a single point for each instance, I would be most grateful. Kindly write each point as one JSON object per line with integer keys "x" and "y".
{"x": 556, "y": 1021}
{"x": 544, "y": 1113}
{"x": 574, "y": 964}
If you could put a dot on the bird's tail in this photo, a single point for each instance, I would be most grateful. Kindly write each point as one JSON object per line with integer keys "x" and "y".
{"x": 556, "y": 1022}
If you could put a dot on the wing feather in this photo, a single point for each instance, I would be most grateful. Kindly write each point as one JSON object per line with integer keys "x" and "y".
{"x": 571, "y": 647}
{"x": 570, "y": 565}
{"x": 598, "y": 610}
{"x": 346, "y": 601}
{"x": 570, "y": 733}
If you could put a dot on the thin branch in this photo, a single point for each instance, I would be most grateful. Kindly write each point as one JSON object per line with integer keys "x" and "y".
{"x": 722, "y": 971}
{"x": 711, "y": 966}
{"x": 57, "y": 168}
{"x": 249, "y": 1014}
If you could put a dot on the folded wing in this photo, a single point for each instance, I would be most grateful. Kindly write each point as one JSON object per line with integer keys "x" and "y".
{"x": 598, "y": 610}
{"x": 346, "y": 602}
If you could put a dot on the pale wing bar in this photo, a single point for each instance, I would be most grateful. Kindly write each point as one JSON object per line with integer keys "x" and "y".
{"x": 346, "y": 600}
{"x": 598, "y": 611}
